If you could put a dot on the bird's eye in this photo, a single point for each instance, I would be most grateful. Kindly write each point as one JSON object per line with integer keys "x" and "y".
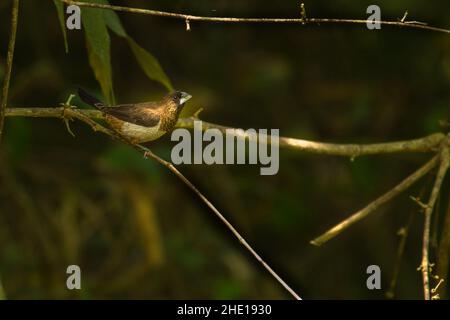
{"x": 177, "y": 96}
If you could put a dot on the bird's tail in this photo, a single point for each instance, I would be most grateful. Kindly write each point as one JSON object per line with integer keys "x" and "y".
{"x": 89, "y": 99}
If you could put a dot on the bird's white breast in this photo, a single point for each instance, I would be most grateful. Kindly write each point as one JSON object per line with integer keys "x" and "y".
{"x": 140, "y": 133}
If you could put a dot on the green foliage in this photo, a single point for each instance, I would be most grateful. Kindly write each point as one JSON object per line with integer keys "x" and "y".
{"x": 98, "y": 45}
{"x": 102, "y": 71}
{"x": 113, "y": 21}
{"x": 146, "y": 60}
{"x": 149, "y": 64}
{"x": 96, "y": 23}
{"x": 60, "y": 10}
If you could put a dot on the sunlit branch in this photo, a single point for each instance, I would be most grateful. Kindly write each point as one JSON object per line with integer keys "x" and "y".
{"x": 428, "y": 143}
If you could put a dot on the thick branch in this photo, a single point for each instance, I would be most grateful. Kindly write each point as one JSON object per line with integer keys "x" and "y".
{"x": 9, "y": 62}
{"x": 425, "y": 144}
{"x": 428, "y": 143}
{"x": 303, "y": 20}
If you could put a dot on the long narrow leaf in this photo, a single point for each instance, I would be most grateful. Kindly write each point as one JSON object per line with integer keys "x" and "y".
{"x": 60, "y": 10}
{"x": 99, "y": 49}
{"x": 150, "y": 65}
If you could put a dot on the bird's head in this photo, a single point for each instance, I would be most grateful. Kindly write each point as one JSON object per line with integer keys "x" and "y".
{"x": 179, "y": 97}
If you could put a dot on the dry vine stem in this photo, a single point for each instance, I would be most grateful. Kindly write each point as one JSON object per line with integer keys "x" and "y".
{"x": 302, "y": 20}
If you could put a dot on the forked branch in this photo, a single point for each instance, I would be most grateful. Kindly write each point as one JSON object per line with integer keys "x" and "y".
{"x": 373, "y": 206}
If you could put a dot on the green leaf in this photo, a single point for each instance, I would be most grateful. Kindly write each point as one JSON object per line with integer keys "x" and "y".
{"x": 99, "y": 49}
{"x": 149, "y": 64}
{"x": 112, "y": 21}
{"x": 96, "y": 23}
{"x": 102, "y": 73}
{"x": 60, "y": 10}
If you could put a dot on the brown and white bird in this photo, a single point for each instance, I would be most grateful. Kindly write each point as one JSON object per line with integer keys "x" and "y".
{"x": 141, "y": 122}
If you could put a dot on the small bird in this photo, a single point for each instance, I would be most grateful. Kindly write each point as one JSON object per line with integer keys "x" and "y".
{"x": 141, "y": 122}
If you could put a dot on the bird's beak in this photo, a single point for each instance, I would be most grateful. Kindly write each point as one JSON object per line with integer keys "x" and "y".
{"x": 184, "y": 97}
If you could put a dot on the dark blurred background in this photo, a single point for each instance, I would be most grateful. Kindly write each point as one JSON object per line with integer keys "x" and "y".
{"x": 137, "y": 232}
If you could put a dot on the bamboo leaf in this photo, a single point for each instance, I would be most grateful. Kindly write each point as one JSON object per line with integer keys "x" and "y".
{"x": 102, "y": 73}
{"x": 99, "y": 49}
{"x": 149, "y": 64}
{"x": 112, "y": 21}
{"x": 60, "y": 11}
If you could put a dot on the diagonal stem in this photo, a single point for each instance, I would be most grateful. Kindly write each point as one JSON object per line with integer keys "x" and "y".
{"x": 371, "y": 207}
{"x": 148, "y": 153}
{"x": 425, "y": 265}
{"x": 9, "y": 62}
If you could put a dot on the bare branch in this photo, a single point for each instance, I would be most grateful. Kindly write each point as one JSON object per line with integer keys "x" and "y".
{"x": 403, "y": 234}
{"x": 301, "y": 20}
{"x": 428, "y": 143}
{"x": 443, "y": 252}
{"x": 425, "y": 144}
{"x": 425, "y": 265}
{"x": 72, "y": 113}
{"x": 9, "y": 62}
{"x": 371, "y": 207}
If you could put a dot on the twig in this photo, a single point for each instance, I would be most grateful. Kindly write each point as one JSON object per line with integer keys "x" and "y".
{"x": 402, "y": 186}
{"x": 171, "y": 167}
{"x": 148, "y": 153}
{"x": 425, "y": 265}
{"x": 428, "y": 143}
{"x": 443, "y": 252}
{"x": 403, "y": 234}
{"x": 9, "y": 62}
{"x": 301, "y": 20}
{"x": 404, "y": 16}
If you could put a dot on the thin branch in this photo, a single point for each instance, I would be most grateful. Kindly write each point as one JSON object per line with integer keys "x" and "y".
{"x": 303, "y": 20}
{"x": 9, "y": 62}
{"x": 428, "y": 143}
{"x": 371, "y": 207}
{"x": 425, "y": 265}
{"x": 171, "y": 167}
{"x": 403, "y": 234}
{"x": 443, "y": 252}
{"x": 71, "y": 113}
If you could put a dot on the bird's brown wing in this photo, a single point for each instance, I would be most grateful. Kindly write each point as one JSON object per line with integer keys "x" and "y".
{"x": 147, "y": 116}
